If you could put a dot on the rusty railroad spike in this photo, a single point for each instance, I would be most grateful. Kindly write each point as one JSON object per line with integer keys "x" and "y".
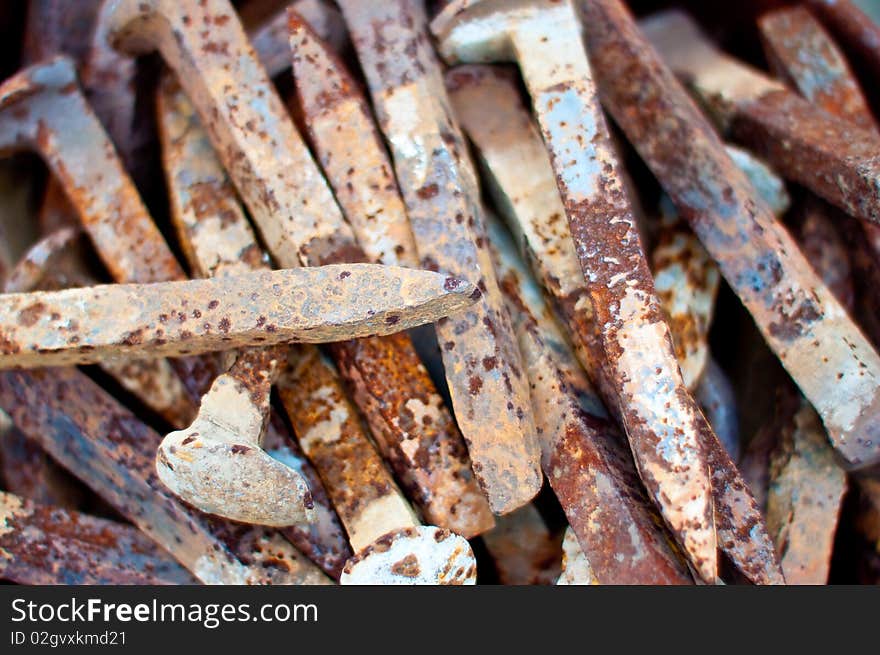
{"x": 583, "y": 454}
{"x": 662, "y": 420}
{"x": 481, "y": 361}
{"x": 266, "y": 159}
{"x": 414, "y": 431}
{"x": 810, "y": 332}
{"x": 509, "y": 144}
{"x": 833, "y": 158}
{"x": 310, "y": 305}
{"x": 42, "y": 545}
{"x": 108, "y": 448}
{"x": 389, "y": 544}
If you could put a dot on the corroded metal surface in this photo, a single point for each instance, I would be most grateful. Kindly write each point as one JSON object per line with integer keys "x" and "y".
{"x": 59, "y": 261}
{"x": 423, "y": 555}
{"x": 42, "y": 108}
{"x": 41, "y": 544}
{"x": 852, "y": 25}
{"x": 482, "y": 365}
{"x": 348, "y": 147}
{"x": 27, "y": 471}
{"x": 805, "y": 56}
{"x": 523, "y": 549}
{"x": 109, "y": 80}
{"x": 217, "y": 463}
{"x": 413, "y": 429}
{"x": 661, "y": 418}
{"x": 519, "y": 175}
{"x": 105, "y": 446}
{"x": 686, "y": 280}
{"x": 583, "y": 453}
{"x": 324, "y": 540}
{"x": 310, "y": 305}
{"x": 333, "y": 437}
{"x": 575, "y": 566}
{"x": 386, "y": 374}
{"x": 804, "y": 497}
{"x": 271, "y": 38}
{"x": 834, "y": 158}
{"x": 389, "y": 544}
{"x": 816, "y": 341}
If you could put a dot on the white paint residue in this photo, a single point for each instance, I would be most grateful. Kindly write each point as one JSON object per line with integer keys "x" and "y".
{"x": 330, "y": 429}
{"x": 384, "y": 515}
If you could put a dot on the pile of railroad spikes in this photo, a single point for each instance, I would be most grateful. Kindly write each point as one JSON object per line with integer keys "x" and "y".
{"x": 395, "y": 280}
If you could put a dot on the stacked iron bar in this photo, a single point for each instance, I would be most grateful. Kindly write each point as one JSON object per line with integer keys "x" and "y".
{"x": 574, "y": 408}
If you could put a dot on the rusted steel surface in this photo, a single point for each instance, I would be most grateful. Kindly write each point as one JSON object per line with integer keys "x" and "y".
{"x": 806, "y": 327}
{"x": 769, "y": 186}
{"x": 583, "y": 453}
{"x": 41, "y": 544}
{"x": 217, "y": 463}
{"x": 516, "y": 165}
{"x": 324, "y": 540}
{"x": 852, "y": 25}
{"x": 348, "y": 147}
{"x": 109, "y": 81}
{"x": 389, "y": 544}
{"x": 523, "y": 549}
{"x": 686, "y": 280}
{"x": 662, "y": 420}
{"x": 271, "y": 38}
{"x": 424, "y": 555}
{"x": 413, "y": 429}
{"x": 802, "y": 53}
{"x": 805, "y": 493}
{"x": 334, "y": 438}
{"x": 42, "y": 108}
{"x": 106, "y": 447}
{"x": 482, "y": 365}
{"x": 58, "y": 26}
{"x": 27, "y": 471}
{"x": 575, "y": 566}
{"x": 218, "y": 234}
{"x": 715, "y": 394}
{"x": 833, "y": 158}
{"x": 312, "y": 305}
{"x": 58, "y": 261}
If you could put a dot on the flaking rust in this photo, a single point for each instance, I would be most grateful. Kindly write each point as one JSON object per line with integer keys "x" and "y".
{"x": 523, "y": 549}
{"x": 583, "y": 453}
{"x": 482, "y": 365}
{"x": 801, "y": 52}
{"x": 810, "y": 332}
{"x": 271, "y": 38}
{"x": 412, "y": 428}
{"x": 312, "y": 305}
{"x": 218, "y": 241}
{"x": 388, "y": 542}
{"x": 533, "y": 209}
{"x": 805, "y": 492}
{"x": 661, "y": 418}
{"x": 205, "y": 462}
{"x": 110, "y": 450}
{"x": 833, "y": 158}
{"x": 41, "y": 544}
